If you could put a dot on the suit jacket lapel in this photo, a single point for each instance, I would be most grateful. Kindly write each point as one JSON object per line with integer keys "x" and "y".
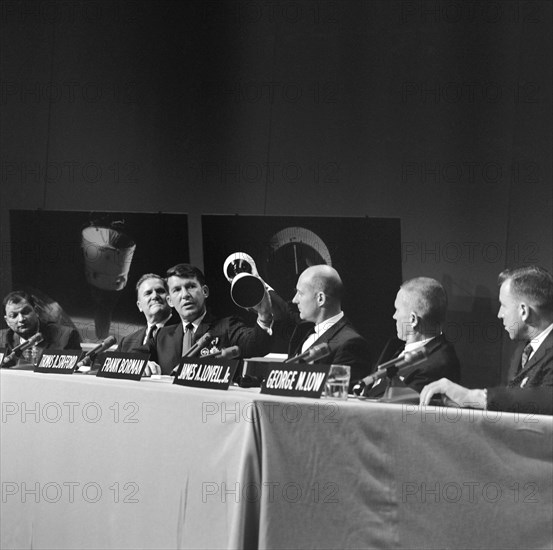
{"x": 434, "y": 344}
{"x": 298, "y": 337}
{"x": 515, "y": 361}
{"x": 539, "y": 354}
{"x": 177, "y": 336}
{"x": 139, "y": 338}
{"x": 204, "y": 326}
{"x": 327, "y": 335}
{"x": 394, "y": 346}
{"x": 12, "y": 339}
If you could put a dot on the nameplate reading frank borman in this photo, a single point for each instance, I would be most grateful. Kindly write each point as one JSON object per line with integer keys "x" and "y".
{"x": 58, "y": 361}
{"x": 216, "y": 374}
{"x": 129, "y": 366}
{"x": 296, "y": 380}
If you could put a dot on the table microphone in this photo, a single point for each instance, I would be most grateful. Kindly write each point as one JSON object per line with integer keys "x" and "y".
{"x": 314, "y": 353}
{"x": 90, "y": 355}
{"x": 19, "y": 349}
{"x": 408, "y": 359}
{"x": 199, "y": 344}
{"x": 225, "y": 353}
{"x": 193, "y": 350}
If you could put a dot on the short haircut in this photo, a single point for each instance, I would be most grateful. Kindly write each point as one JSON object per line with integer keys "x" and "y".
{"x": 333, "y": 287}
{"x": 326, "y": 279}
{"x": 186, "y": 271}
{"x": 430, "y": 300}
{"x": 533, "y": 282}
{"x": 18, "y": 296}
{"x": 147, "y": 276}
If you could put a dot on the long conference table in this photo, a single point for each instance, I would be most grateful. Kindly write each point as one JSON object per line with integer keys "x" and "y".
{"x": 103, "y": 463}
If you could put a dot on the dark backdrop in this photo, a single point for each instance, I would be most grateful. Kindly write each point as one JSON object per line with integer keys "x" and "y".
{"x": 436, "y": 113}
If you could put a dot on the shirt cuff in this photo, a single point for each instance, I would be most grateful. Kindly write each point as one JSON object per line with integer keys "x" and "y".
{"x": 267, "y": 327}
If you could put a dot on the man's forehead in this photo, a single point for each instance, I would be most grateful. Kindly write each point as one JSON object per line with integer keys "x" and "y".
{"x": 175, "y": 280}
{"x": 305, "y": 279}
{"x": 402, "y": 296}
{"x": 13, "y": 306}
{"x": 505, "y": 289}
{"x": 151, "y": 283}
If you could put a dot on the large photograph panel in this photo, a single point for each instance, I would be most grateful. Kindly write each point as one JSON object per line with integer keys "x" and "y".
{"x": 365, "y": 251}
{"x": 83, "y": 266}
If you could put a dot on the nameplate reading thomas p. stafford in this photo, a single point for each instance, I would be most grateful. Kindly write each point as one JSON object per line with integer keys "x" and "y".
{"x": 58, "y": 361}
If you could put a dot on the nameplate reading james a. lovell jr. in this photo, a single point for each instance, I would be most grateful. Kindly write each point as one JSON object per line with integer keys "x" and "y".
{"x": 58, "y": 361}
{"x": 128, "y": 366}
{"x": 216, "y": 374}
{"x": 295, "y": 380}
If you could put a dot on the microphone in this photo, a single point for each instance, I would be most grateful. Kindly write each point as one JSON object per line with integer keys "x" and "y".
{"x": 199, "y": 344}
{"x": 310, "y": 355}
{"x": 90, "y": 355}
{"x": 18, "y": 350}
{"x": 194, "y": 349}
{"x": 225, "y": 353}
{"x": 406, "y": 360}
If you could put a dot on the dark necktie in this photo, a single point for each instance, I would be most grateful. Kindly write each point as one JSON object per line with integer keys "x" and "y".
{"x": 187, "y": 338}
{"x": 526, "y": 352}
{"x": 517, "y": 381}
{"x": 150, "y": 335}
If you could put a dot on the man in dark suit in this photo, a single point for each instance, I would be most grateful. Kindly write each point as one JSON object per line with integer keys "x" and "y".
{"x": 420, "y": 310}
{"x": 319, "y": 299}
{"x": 536, "y": 400}
{"x": 526, "y": 309}
{"x": 23, "y": 322}
{"x": 151, "y": 300}
{"x": 187, "y": 293}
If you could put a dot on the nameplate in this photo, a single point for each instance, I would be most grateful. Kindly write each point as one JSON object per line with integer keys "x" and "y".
{"x": 216, "y": 374}
{"x": 127, "y": 366}
{"x": 2, "y": 355}
{"x": 58, "y": 361}
{"x": 295, "y": 380}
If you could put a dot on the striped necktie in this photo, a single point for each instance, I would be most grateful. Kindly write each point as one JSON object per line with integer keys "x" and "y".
{"x": 526, "y": 352}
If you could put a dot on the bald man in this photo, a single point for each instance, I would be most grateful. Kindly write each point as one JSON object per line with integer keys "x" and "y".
{"x": 420, "y": 310}
{"x": 319, "y": 299}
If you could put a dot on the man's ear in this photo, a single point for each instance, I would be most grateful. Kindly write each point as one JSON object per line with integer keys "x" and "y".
{"x": 205, "y": 290}
{"x": 321, "y": 298}
{"x": 168, "y": 298}
{"x": 413, "y": 319}
{"x": 524, "y": 311}
{"x": 138, "y": 305}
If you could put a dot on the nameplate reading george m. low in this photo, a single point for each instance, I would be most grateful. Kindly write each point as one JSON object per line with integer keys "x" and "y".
{"x": 128, "y": 366}
{"x": 295, "y": 380}
{"x": 58, "y": 361}
{"x": 215, "y": 374}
